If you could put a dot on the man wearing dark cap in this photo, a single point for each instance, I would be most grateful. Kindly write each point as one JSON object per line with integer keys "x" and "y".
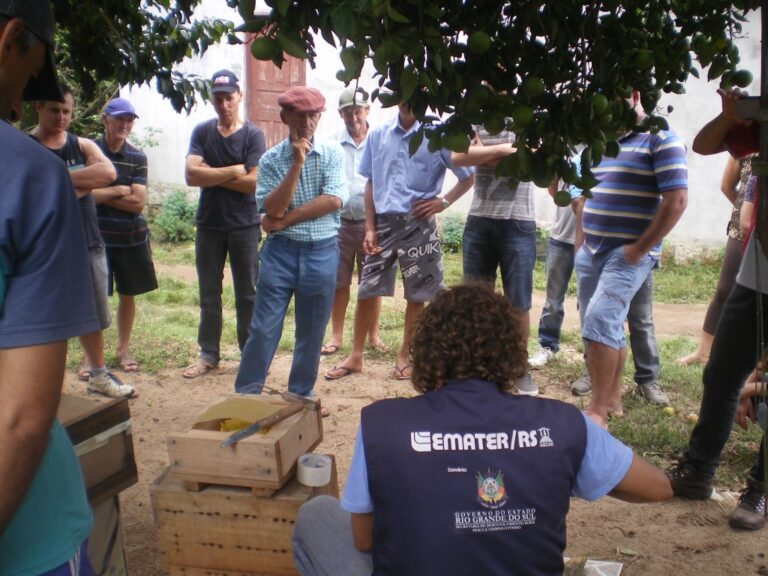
{"x": 353, "y": 109}
{"x": 223, "y": 159}
{"x": 123, "y": 228}
{"x": 300, "y": 191}
{"x": 44, "y": 514}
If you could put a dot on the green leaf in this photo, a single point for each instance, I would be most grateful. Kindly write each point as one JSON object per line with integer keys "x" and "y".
{"x": 344, "y": 22}
{"x": 282, "y": 6}
{"x": 292, "y": 46}
{"x": 396, "y": 16}
{"x": 253, "y": 26}
{"x": 415, "y": 142}
{"x": 246, "y": 9}
{"x": 409, "y": 81}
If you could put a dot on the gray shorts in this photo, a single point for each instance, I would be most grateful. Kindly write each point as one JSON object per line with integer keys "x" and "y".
{"x": 350, "y": 238}
{"x": 97, "y": 258}
{"x": 414, "y": 245}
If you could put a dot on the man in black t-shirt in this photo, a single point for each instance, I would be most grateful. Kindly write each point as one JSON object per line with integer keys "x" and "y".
{"x": 126, "y": 237}
{"x": 223, "y": 159}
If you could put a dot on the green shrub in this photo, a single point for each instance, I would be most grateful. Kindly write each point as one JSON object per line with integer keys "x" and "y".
{"x": 175, "y": 221}
{"x": 451, "y": 231}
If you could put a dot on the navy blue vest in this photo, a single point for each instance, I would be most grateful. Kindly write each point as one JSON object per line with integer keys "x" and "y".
{"x": 468, "y": 480}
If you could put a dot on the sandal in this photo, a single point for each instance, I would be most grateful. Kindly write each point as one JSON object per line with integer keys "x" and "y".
{"x": 197, "y": 369}
{"x": 339, "y": 372}
{"x": 404, "y": 372}
{"x": 328, "y": 349}
{"x": 128, "y": 363}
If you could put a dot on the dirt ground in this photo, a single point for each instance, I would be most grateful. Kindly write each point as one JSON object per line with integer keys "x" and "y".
{"x": 677, "y": 537}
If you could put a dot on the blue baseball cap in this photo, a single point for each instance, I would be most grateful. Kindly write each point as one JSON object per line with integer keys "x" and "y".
{"x": 120, "y": 107}
{"x": 224, "y": 81}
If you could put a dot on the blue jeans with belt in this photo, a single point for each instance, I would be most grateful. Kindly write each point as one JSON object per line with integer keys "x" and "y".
{"x": 559, "y": 270}
{"x": 305, "y": 271}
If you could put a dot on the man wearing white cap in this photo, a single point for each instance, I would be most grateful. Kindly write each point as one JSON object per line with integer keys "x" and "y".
{"x": 129, "y": 260}
{"x": 44, "y": 514}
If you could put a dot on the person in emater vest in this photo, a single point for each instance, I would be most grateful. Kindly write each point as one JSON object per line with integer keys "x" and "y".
{"x": 466, "y": 478}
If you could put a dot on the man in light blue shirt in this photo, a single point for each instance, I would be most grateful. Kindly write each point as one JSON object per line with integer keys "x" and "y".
{"x": 300, "y": 191}
{"x": 353, "y": 109}
{"x": 401, "y": 200}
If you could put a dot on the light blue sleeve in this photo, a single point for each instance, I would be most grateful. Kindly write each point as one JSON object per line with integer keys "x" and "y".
{"x": 461, "y": 172}
{"x": 268, "y": 180}
{"x": 365, "y": 167}
{"x": 605, "y": 463}
{"x": 356, "y": 498}
{"x": 334, "y": 181}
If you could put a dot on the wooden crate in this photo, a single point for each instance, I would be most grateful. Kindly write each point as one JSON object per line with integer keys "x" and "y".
{"x": 261, "y": 462}
{"x": 101, "y": 433}
{"x": 226, "y": 531}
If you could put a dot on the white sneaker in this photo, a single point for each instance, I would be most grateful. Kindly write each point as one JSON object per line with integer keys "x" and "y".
{"x": 110, "y": 385}
{"x": 540, "y": 357}
{"x": 526, "y": 386}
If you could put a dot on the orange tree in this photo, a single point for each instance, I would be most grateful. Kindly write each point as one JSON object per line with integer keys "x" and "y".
{"x": 555, "y": 73}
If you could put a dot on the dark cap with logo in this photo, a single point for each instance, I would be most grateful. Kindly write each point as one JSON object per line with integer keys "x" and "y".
{"x": 224, "y": 82}
{"x": 302, "y": 99}
{"x": 38, "y": 19}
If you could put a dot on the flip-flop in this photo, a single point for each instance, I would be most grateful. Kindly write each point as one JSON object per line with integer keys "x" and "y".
{"x": 328, "y": 349}
{"x": 128, "y": 363}
{"x": 197, "y": 369}
{"x": 403, "y": 373}
{"x": 339, "y": 372}
{"x": 381, "y": 348}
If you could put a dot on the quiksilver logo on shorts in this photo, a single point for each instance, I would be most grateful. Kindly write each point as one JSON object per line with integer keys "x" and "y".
{"x": 480, "y": 441}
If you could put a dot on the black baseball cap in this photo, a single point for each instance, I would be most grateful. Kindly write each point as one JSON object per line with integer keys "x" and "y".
{"x": 224, "y": 81}
{"x": 38, "y": 19}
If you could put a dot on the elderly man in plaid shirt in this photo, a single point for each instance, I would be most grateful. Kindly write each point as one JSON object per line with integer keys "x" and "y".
{"x": 300, "y": 190}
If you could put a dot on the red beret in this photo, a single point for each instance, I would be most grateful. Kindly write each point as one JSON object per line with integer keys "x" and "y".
{"x": 302, "y": 99}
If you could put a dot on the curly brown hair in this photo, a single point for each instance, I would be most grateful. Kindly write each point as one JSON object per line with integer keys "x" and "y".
{"x": 468, "y": 331}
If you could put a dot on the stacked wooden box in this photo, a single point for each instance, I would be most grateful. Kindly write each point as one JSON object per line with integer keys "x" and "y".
{"x": 100, "y": 430}
{"x": 230, "y": 511}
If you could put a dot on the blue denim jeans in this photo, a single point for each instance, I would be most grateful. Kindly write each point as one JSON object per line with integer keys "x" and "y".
{"x": 322, "y": 541}
{"x": 642, "y": 334}
{"x": 734, "y": 354}
{"x": 607, "y": 285}
{"x": 305, "y": 271}
{"x": 211, "y": 250}
{"x": 559, "y": 269}
{"x": 510, "y": 245}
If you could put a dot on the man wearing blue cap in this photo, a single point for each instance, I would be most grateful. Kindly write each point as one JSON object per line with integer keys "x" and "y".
{"x": 124, "y": 230}
{"x": 223, "y": 159}
{"x": 44, "y": 514}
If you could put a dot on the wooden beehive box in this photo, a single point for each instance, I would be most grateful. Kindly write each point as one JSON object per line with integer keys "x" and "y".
{"x": 101, "y": 433}
{"x": 226, "y": 531}
{"x": 262, "y": 462}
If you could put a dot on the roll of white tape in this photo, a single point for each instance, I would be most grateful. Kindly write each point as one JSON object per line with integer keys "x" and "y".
{"x": 314, "y": 470}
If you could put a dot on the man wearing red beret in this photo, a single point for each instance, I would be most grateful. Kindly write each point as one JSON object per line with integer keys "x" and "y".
{"x": 300, "y": 191}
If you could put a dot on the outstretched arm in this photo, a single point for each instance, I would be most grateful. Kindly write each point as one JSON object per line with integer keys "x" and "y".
{"x": 643, "y": 482}
{"x": 710, "y": 138}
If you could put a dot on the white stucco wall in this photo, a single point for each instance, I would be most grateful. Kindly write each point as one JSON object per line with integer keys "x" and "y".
{"x": 702, "y": 225}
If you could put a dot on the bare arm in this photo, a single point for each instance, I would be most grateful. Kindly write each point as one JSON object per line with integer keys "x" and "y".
{"x": 730, "y": 179}
{"x": 481, "y": 155}
{"x": 710, "y": 138}
{"x": 643, "y": 482}
{"x": 128, "y": 198}
{"x": 198, "y": 173}
{"x": 30, "y": 388}
{"x": 577, "y": 204}
{"x": 672, "y": 206}
{"x": 318, "y": 206}
{"x": 245, "y": 183}
{"x": 98, "y": 170}
{"x": 745, "y": 217}
{"x": 362, "y": 531}
{"x": 370, "y": 242}
{"x": 426, "y": 208}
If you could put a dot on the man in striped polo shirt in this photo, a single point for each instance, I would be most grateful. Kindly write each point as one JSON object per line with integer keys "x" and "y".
{"x": 641, "y": 195}
{"x": 124, "y": 229}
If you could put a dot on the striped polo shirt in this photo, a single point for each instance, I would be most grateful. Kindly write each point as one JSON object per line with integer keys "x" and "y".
{"x": 628, "y": 195}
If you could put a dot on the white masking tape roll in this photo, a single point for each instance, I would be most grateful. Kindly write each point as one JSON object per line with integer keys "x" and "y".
{"x": 314, "y": 470}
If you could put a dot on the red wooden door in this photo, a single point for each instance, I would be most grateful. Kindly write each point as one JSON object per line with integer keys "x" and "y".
{"x": 265, "y": 82}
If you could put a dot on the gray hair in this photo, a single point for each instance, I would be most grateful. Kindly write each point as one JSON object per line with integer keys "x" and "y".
{"x": 27, "y": 40}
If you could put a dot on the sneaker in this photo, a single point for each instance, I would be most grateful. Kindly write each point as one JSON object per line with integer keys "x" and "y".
{"x": 526, "y": 386}
{"x": 582, "y": 385}
{"x": 687, "y": 482}
{"x": 750, "y": 513}
{"x": 541, "y": 357}
{"x": 652, "y": 393}
{"x": 110, "y": 385}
